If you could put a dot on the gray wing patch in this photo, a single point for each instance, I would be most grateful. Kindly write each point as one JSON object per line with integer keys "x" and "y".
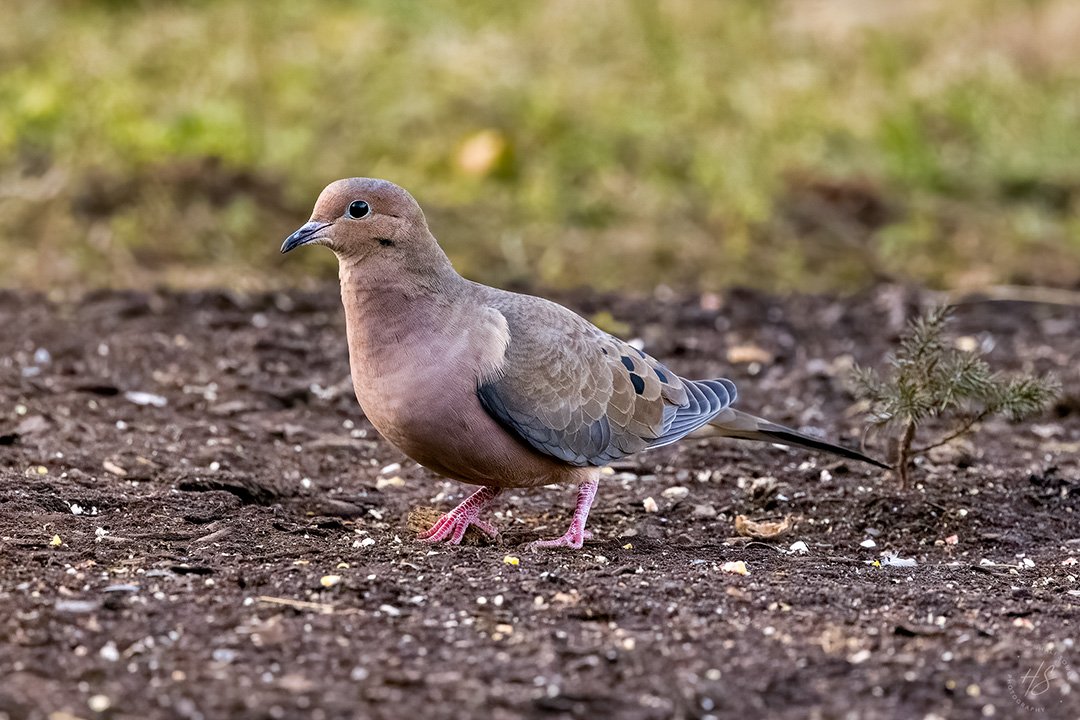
{"x": 594, "y": 443}
{"x": 589, "y": 445}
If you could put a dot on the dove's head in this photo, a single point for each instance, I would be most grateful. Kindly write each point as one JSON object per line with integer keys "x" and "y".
{"x": 365, "y": 218}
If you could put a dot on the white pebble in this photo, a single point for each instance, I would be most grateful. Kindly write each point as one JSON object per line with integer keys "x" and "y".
{"x": 859, "y": 657}
{"x": 99, "y": 703}
{"x": 144, "y": 398}
{"x": 223, "y": 655}
{"x": 676, "y": 492}
{"x": 799, "y": 547}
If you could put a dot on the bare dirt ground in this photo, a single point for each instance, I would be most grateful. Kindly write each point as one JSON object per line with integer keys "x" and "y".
{"x": 235, "y": 543}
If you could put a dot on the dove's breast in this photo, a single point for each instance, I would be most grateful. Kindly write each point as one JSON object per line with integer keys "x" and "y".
{"x": 416, "y": 372}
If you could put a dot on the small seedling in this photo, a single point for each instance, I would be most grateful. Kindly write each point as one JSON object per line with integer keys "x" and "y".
{"x": 931, "y": 378}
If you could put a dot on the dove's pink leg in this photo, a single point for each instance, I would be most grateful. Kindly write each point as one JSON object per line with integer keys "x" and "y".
{"x": 577, "y": 534}
{"x": 452, "y": 526}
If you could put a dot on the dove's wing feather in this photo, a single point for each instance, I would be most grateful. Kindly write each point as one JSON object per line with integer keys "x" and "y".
{"x": 574, "y": 392}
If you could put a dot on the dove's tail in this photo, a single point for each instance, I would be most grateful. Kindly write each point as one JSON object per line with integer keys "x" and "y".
{"x": 735, "y": 424}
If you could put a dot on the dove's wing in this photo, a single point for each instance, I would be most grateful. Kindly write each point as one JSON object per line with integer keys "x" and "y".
{"x": 572, "y": 391}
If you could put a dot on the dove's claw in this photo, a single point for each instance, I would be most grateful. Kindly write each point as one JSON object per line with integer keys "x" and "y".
{"x": 570, "y": 540}
{"x": 576, "y": 536}
{"x": 451, "y": 527}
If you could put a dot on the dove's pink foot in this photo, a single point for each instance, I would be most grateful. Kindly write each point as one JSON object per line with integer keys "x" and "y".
{"x": 451, "y": 527}
{"x": 576, "y": 536}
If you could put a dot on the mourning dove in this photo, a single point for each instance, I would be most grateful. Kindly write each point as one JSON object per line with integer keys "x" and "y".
{"x": 495, "y": 388}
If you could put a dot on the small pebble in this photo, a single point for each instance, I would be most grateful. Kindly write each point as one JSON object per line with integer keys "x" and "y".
{"x": 650, "y": 505}
{"x": 705, "y": 512}
{"x": 111, "y": 467}
{"x": 223, "y": 655}
{"x": 798, "y": 547}
{"x": 145, "y": 398}
{"x": 99, "y": 703}
{"x": 736, "y": 567}
{"x": 859, "y": 657}
{"x": 126, "y": 588}
{"x": 76, "y": 607}
{"x": 384, "y": 482}
{"x": 676, "y": 492}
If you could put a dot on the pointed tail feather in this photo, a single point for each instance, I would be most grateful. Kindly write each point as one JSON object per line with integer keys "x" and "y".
{"x": 735, "y": 424}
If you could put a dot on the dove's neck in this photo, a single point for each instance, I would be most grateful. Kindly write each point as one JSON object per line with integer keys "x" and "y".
{"x": 392, "y": 309}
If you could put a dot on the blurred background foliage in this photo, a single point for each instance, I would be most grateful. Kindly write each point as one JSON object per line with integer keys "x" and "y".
{"x": 800, "y": 144}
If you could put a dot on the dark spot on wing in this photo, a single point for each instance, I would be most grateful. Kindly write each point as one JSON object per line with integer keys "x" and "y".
{"x": 628, "y": 363}
{"x": 639, "y": 384}
{"x": 659, "y": 374}
{"x": 641, "y": 353}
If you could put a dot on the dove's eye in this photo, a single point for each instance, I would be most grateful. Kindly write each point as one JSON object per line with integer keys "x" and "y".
{"x": 358, "y": 209}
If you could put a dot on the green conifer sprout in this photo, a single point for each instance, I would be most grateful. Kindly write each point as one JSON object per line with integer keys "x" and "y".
{"x": 930, "y": 378}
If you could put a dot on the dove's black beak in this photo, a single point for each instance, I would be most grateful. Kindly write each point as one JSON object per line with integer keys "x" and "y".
{"x": 306, "y": 235}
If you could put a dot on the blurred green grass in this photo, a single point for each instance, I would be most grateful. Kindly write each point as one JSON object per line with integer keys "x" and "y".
{"x": 800, "y": 144}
